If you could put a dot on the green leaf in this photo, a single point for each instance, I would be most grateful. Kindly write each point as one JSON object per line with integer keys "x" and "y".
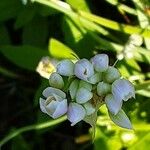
{"x": 60, "y": 50}
{"x": 121, "y": 119}
{"x": 36, "y": 32}
{"x": 79, "y": 4}
{"x": 115, "y": 25}
{"x": 4, "y": 35}
{"x": 9, "y": 9}
{"x": 26, "y": 57}
{"x": 25, "y": 16}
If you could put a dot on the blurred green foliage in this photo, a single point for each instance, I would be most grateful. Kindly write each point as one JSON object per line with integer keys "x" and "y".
{"x": 72, "y": 29}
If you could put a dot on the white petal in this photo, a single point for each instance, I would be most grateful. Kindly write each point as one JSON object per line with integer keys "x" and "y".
{"x": 85, "y": 84}
{"x": 73, "y": 88}
{"x": 83, "y": 69}
{"x": 97, "y": 77}
{"x": 61, "y": 109}
{"x": 111, "y": 74}
{"x": 83, "y": 95}
{"x": 103, "y": 88}
{"x": 75, "y": 113}
{"x": 123, "y": 89}
{"x": 56, "y": 81}
{"x": 121, "y": 119}
{"x": 66, "y": 68}
{"x": 89, "y": 108}
{"x": 49, "y": 90}
{"x": 42, "y": 105}
{"x": 100, "y": 62}
{"x": 112, "y": 104}
{"x": 51, "y": 107}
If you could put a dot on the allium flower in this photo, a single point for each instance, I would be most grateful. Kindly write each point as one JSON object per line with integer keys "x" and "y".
{"x": 76, "y": 113}
{"x": 122, "y": 89}
{"x": 56, "y": 81}
{"x": 55, "y": 104}
{"x": 65, "y": 68}
{"x": 100, "y": 62}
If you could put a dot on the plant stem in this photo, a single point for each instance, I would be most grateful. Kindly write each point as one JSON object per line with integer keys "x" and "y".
{"x": 31, "y": 127}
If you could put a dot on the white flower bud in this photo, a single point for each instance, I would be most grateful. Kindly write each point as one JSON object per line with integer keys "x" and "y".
{"x": 100, "y": 62}
{"x": 73, "y": 88}
{"x": 66, "y": 68}
{"x": 85, "y": 84}
{"x": 83, "y": 95}
{"x": 111, "y": 74}
{"x": 97, "y": 77}
{"x": 103, "y": 88}
{"x": 56, "y": 81}
{"x": 83, "y": 69}
{"x": 89, "y": 108}
{"x": 121, "y": 119}
{"x": 76, "y": 113}
{"x": 55, "y": 104}
{"x": 123, "y": 89}
{"x": 113, "y": 104}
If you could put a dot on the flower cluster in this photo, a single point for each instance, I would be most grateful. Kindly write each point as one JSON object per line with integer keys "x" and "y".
{"x": 79, "y": 89}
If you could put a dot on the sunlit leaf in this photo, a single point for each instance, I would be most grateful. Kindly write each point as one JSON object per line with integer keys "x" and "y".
{"x": 60, "y": 50}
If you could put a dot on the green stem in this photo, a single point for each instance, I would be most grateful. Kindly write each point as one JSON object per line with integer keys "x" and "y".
{"x": 31, "y": 127}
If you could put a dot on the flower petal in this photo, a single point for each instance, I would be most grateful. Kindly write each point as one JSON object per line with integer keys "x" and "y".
{"x": 83, "y": 69}
{"x": 42, "y": 105}
{"x": 103, "y": 88}
{"x": 85, "y": 84}
{"x": 75, "y": 113}
{"x": 83, "y": 95}
{"x": 73, "y": 88}
{"x": 97, "y": 77}
{"x": 112, "y": 104}
{"x": 49, "y": 90}
{"x": 111, "y": 74}
{"x": 123, "y": 89}
{"x": 61, "y": 109}
{"x": 51, "y": 107}
{"x": 121, "y": 119}
{"x": 56, "y": 81}
{"x": 66, "y": 68}
{"x": 100, "y": 62}
{"x": 89, "y": 108}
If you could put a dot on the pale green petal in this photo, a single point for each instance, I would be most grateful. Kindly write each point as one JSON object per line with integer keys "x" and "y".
{"x": 121, "y": 119}
{"x": 83, "y": 95}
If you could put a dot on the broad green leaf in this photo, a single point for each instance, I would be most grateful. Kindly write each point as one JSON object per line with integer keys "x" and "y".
{"x": 25, "y": 16}
{"x": 9, "y": 9}
{"x": 35, "y": 33}
{"x": 121, "y": 119}
{"x": 26, "y": 57}
{"x": 4, "y": 35}
{"x": 60, "y": 50}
